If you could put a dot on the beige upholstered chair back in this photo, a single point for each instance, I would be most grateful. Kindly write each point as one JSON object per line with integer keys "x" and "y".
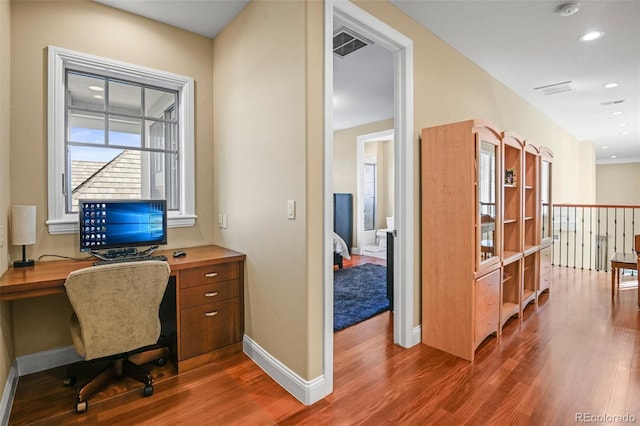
{"x": 116, "y": 307}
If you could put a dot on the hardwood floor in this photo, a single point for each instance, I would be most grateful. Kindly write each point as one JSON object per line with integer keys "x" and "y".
{"x": 576, "y": 353}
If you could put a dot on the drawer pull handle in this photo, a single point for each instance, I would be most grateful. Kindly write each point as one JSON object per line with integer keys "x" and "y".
{"x": 211, "y": 294}
{"x": 211, "y": 274}
{"x": 211, "y": 314}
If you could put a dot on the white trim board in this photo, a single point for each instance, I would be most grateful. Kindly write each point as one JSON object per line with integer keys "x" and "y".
{"x": 9, "y": 393}
{"x": 306, "y": 391}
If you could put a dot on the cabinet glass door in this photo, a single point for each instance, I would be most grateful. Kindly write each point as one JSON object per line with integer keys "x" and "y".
{"x": 545, "y": 198}
{"x": 487, "y": 201}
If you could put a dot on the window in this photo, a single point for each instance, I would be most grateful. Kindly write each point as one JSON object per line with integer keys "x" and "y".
{"x": 117, "y": 131}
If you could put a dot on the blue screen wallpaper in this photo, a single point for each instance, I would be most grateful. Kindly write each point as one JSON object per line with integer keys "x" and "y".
{"x": 109, "y": 224}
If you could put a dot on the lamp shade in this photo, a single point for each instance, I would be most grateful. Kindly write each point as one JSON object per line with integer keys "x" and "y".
{"x": 23, "y": 225}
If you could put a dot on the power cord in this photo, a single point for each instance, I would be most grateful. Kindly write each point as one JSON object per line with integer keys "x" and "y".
{"x": 64, "y": 257}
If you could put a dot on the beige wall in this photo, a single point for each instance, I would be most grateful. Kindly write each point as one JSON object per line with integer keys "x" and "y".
{"x": 268, "y": 149}
{"x": 618, "y": 184}
{"x": 6, "y": 329}
{"x": 91, "y": 28}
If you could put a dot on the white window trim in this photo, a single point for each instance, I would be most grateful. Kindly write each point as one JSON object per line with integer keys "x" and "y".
{"x": 60, "y": 222}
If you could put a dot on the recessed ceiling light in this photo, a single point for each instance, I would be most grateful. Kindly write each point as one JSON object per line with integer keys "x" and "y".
{"x": 591, "y": 35}
{"x": 96, "y": 88}
{"x": 613, "y": 156}
{"x": 98, "y": 96}
{"x": 611, "y": 85}
{"x": 616, "y": 113}
{"x": 624, "y": 133}
{"x": 622, "y": 124}
{"x": 605, "y": 147}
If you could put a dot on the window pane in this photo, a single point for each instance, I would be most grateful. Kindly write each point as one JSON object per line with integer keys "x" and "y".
{"x": 85, "y": 127}
{"x": 125, "y": 131}
{"x": 125, "y": 98}
{"x": 103, "y": 173}
{"x": 161, "y": 135}
{"x": 162, "y": 177}
{"x": 157, "y": 102}
{"x": 85, "y": 91}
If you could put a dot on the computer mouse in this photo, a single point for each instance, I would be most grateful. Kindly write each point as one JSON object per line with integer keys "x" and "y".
{"x": 179, "y": 253}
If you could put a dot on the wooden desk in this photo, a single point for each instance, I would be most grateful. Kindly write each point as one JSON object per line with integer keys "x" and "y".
{"x": 208, "y": 279}
{"x": 622, "y": 261}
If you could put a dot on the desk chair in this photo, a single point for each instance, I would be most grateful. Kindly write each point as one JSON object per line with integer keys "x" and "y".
{"x": 116, "y": 317}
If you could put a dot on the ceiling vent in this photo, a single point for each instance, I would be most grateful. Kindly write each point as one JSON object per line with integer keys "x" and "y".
{"x": 554, "y": 89}
{"x": 346, "y": 42}
{"x": 619, "y": 101}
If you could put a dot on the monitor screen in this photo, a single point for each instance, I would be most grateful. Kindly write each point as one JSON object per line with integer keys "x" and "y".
{"x": 106, "y": 224}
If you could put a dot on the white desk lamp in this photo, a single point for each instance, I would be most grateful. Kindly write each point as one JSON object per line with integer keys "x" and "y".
{"x": 23, "y": 231}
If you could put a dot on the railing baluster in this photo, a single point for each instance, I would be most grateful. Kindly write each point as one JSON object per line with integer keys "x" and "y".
{"x": 605, "y": 228}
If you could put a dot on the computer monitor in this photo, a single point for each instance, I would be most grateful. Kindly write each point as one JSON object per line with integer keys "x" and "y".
{"x": 114, "y": 224}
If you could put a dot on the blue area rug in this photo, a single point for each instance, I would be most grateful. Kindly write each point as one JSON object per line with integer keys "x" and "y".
{"x": 358, "y": 294}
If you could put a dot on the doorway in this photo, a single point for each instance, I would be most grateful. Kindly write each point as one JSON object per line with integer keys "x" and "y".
{"x": 402, "y": 47}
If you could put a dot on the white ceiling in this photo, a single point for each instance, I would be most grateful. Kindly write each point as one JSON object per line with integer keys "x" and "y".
{"x": 523, "y": 43}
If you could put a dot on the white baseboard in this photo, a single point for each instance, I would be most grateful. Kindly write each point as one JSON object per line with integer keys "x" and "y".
{"x": 307, "y": 392}
{"x": 40, "y": 361}
{"x": 8, "y": 394}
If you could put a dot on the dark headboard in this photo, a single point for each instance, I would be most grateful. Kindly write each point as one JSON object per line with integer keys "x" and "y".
{"x": 343, "y": 217}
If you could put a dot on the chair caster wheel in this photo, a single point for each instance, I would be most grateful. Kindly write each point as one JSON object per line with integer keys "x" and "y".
{"x": 161, "y": 361}
{"x": 81, "y": 407}
{"x": 148, "y": 390}
{"x": 69, "y": 381}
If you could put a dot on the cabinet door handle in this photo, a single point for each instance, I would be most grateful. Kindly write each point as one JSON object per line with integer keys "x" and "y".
{"x": 211, "y": 294}
{"x": 211, "y": 314}
{"x": 211, "y": 274}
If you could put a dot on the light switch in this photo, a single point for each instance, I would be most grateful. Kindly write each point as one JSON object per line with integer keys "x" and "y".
{"x": 291, "y": 209}
{"x": 2, "y": 235}
{"x": 224, "y": 221}
{"x": 220, "y": 221}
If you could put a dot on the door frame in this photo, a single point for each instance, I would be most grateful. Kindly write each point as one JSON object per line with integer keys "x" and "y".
{"x": 402, "y": 47}
{"x": 383, "y": 135}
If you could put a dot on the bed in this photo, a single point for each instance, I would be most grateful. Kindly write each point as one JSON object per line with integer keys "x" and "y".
{"x": 340, "y": 250}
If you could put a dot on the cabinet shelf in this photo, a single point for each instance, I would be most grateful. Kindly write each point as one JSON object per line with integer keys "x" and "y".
{"x": 508, "y": 185}
{"x": 508, "y": 221}
{"x": 508, "y": 310}
{"x": 528, "y": 187}
{"x": 528, "y": 218}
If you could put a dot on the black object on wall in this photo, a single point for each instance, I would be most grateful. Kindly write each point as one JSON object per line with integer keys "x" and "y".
{"x": 343, "y": 221}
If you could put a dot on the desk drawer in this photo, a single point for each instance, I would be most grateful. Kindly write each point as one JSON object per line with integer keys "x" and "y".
{"x": 208, "y": 293}
{"x": 209, "y": 327}
{"x": 209, "y": 274}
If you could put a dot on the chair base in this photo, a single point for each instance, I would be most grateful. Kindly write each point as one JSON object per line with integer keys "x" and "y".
{"x": 126, "y": 364}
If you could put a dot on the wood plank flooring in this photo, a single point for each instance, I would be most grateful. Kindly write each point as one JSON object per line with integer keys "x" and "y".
{"x": 576, "y": 353}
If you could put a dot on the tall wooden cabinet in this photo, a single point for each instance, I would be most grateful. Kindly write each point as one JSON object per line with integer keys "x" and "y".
{"x": 483, "y": 219}
{"x": 461, "y": 242}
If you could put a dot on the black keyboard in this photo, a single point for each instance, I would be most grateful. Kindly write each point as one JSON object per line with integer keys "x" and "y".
{"x": 129, "y": 259}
